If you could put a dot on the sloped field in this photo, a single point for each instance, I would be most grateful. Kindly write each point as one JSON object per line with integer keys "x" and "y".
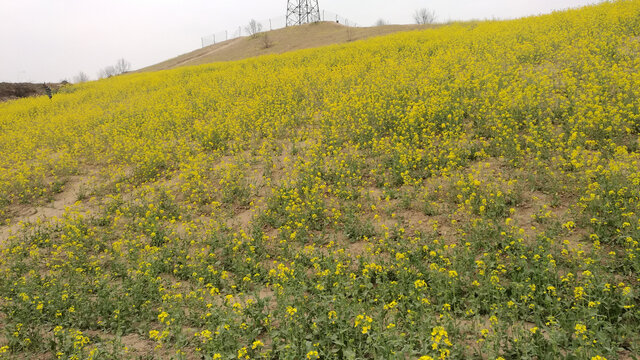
{"x": 470, "y": 191}
{"x": 280, "y": 41}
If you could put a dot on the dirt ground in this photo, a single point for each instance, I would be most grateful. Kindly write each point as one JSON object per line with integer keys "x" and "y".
{"x": 12, "y": 91}
{"x": 280, "y": 41}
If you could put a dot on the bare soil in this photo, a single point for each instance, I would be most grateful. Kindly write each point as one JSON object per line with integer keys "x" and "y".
{"x": 12, "y": 91}
{"x": 281, "y": 41}
{"x": 62, "y": 202}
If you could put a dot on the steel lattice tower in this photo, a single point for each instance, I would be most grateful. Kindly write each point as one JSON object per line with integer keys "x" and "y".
{"x": 302, "y": 12}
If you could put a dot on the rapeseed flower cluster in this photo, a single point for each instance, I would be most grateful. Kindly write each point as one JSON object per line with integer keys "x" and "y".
{"x": 467, "y": 191}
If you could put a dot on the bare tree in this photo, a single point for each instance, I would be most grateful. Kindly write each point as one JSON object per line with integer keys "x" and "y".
{"x": 349, "y": 33}
{"x": 253, "y": 28}
{"x": 381, "y": 22}
{"x": 122, "y": 66}
{"x": 424, "y": 16}
{"x": 266, "y": 40}
{"x": 107, "y": 72}
{"x": 80, "y": 78}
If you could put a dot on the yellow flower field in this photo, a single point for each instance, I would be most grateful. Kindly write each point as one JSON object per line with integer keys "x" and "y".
{"x": 465, "y": 192}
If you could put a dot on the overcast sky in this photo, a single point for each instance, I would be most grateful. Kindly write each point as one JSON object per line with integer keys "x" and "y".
{"x": 50, "y": 40}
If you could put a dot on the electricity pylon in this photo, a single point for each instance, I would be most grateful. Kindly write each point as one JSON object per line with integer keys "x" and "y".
{"x": 302, "y": 12}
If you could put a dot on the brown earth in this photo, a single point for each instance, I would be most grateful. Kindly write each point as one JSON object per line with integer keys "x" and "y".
{"x": 22, "y": 215}
{"x": 280, "y": 41}
{"x": 12, "y": 91}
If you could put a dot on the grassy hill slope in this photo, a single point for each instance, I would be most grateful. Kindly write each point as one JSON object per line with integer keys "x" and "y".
{"x": 280, "y": 41}
{"x": 470, "y": 191}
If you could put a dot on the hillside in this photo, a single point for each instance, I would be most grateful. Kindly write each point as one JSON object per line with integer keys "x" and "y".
{"x": 280, "y": 41}
{"x": 12, "y": 91}
{"x": 470, "y": 191}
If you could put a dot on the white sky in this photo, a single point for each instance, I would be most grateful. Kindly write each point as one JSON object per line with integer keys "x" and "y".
{"x": 50, "y": 40}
